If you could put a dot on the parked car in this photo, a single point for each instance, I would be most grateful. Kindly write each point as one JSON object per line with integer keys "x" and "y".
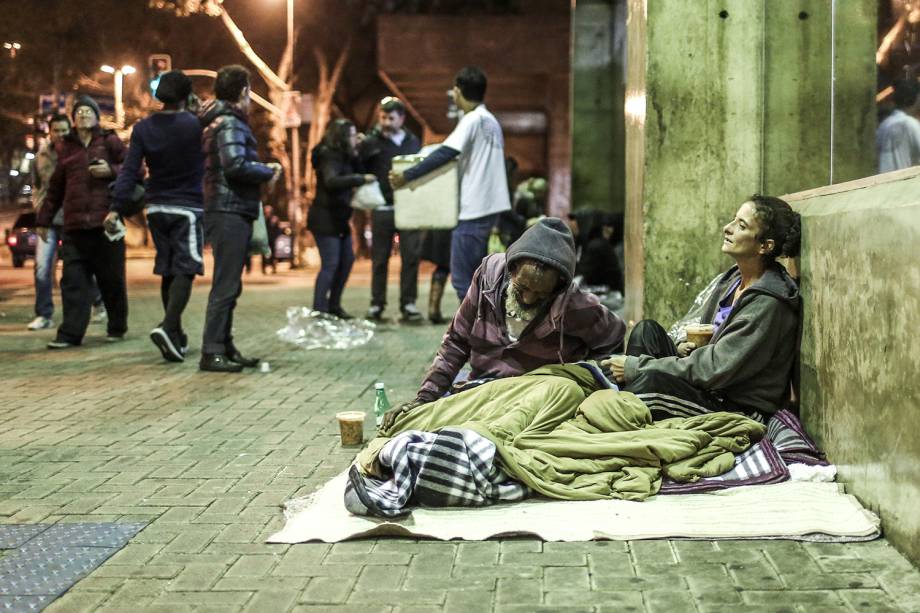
{"x": 22, "y": 238}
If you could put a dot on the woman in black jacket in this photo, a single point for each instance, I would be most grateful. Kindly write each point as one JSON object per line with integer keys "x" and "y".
{"x": 336, "y": 167}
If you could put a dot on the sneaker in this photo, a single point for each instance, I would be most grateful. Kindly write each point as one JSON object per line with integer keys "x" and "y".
{"x": 100, "y": 315}
{"x": 58, "y": 344}
{"x": 40, "y": 323}
{"x": 114, "y": 338}
{"x": 375, "y": 313}
{"x": 411, "y": 314}
{"x": 167, "y": 344}
{"x": 183, "y": 343}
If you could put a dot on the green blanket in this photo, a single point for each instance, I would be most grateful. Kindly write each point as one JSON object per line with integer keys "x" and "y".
{"x": 557, "y": 431}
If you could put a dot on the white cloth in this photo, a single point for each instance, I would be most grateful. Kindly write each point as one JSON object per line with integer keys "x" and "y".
{"x": 897, "y": 141}
{"x": 820, "y": 474}
{"x": 483, "y": 184}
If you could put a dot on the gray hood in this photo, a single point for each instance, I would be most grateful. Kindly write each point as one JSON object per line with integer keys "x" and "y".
{"x": 549, "y": 241}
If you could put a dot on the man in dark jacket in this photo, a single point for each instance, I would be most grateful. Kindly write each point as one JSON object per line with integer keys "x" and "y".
{"x": 88, "y": 160}
{"x": 523, "y": 311}
{"x": 232, "y": 190}
{"x": 170, "y": 143}
{"x": 387, "y": 140}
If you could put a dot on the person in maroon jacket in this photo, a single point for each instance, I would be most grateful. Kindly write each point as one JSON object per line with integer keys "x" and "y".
{"x": 88, "y": 160}
{"x": 522, "y": 311}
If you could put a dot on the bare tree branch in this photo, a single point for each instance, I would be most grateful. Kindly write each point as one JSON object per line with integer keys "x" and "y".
{"x": 267, "y": 73}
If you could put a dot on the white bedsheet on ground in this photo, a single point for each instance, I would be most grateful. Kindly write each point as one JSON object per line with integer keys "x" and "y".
{"x": 802, "y": 510}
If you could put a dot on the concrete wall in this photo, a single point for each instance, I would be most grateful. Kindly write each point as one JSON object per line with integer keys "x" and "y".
{"x": 727, "y": 98}
{"x": 861, "y": 287}
{"x": 598, "y": 89}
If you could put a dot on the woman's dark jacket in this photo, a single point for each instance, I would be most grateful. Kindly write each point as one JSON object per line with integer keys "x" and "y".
{"x": 233, "y": 175}
{"x": 750, "y": 359}
{"x": 85, "y": 198}
{"x": 336, "y": 177}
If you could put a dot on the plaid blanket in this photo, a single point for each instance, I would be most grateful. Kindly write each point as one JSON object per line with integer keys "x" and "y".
{"x": 451, "y": 467}
{"x": 765, "y": 462}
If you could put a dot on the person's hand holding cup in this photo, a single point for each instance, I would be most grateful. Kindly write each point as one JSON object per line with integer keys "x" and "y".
{"x": 699, "y": 334}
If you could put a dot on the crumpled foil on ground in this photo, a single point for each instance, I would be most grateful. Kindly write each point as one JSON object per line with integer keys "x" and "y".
{"x": 311, "y": 329}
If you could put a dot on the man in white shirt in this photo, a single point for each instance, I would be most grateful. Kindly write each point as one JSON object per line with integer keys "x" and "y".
{"x": 478, "y": 142}
{"x": 898, "y": 136}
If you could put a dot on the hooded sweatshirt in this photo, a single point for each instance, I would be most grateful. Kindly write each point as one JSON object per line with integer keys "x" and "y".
{"x": 573, "y": 326}
{"x": 749, "y": 360}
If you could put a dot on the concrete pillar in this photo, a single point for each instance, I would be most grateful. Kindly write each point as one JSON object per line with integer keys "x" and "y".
{"x": 725, "y": 99}
{"x": 598, "y": 89}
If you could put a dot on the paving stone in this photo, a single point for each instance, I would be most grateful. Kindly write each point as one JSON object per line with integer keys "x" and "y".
{"x": 652, "y": 552}
{"x": 387, "y": 559}
{"x": 755, "y": 576}
{"x": 804, "y": 598}
{"x": 468, "y": 600}
{"x": 423, "y": 582}
{"x": 432, "y": 564}
{"x": 829, "y": 581}
{"x": 483, "y": 552}
{"x": 519, "y": 591}
{"x": 565, "y": 578}
{"x": 876, "y": 601}
{"x": 622, "y": 601}
{"x": 521, "y": 545}
{"x": 573, "y": 558}
{"x": 327, "y": 589}
{"x": 610, "y": 563}
{"x": 464, "y": 572}
{"x": 667, "y": 601}
{"x": 386, "y": 577}
{"x": 272, "y": 600}
{"x": 395, "y": 597}
{"x": 197, "y": 576}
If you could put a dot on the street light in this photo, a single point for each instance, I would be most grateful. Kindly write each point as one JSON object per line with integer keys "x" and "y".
{"x": 294, "y": 199}
{"x": 12, "y": 47}
{"x": 119, "y": 74}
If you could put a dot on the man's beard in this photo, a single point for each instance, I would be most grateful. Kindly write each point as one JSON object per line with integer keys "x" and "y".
{"x": 514, "y": 308}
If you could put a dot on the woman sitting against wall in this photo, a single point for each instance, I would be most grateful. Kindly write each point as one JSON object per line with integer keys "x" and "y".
{"x": 337, "y": 175}
{"x": 755, "y": 309}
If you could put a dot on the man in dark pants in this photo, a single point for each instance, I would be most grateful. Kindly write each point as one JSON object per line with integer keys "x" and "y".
{"x": 88, "y": 159}
{"x": 387, "y": 140}
{"x": 232, "y": 189}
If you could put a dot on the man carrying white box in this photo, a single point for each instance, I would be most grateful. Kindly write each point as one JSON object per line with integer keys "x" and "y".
{"x": 479, "y": 143}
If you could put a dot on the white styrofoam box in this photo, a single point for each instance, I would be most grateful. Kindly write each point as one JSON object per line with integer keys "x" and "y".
{"x": 431, "y": 202}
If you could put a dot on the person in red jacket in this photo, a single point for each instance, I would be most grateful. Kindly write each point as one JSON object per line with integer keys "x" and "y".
{"x": 88, "y": 160}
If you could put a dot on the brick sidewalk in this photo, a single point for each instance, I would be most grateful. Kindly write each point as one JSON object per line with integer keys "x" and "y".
{"x": 112, "y": 433}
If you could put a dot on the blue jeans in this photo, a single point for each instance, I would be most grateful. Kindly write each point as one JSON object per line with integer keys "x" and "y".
{"x": 45, "y": 265}
{"x": 337, "y": 257}
{"x": 469, "y": 243}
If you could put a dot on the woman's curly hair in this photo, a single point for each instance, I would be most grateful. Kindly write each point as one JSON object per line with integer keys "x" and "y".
{"x": 778, "y": 222}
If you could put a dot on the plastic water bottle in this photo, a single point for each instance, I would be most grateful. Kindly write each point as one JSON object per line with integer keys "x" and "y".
{"x": 381, "y": 404}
